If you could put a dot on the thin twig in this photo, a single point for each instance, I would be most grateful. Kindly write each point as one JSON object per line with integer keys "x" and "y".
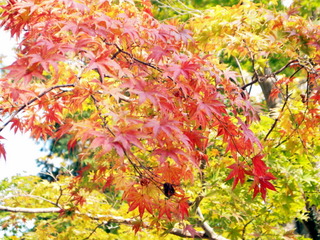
{"x": 277, "y": 119}
{"x": 285, "y": 66}
{"x": 180, "y": 11}
{"x": 136, "y": 59}
{"x": 61, "y": 193}
{"x": 104, "y": 122}
{"x": 94, "y": 230}
{"x": 282, "y": 109}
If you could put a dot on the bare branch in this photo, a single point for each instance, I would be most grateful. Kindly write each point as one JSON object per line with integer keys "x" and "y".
{"x": 185, "y": 234}
{"x": 250, "y": 83}
{"x": 30, "y": 210}
{"x": 209, "y": 232}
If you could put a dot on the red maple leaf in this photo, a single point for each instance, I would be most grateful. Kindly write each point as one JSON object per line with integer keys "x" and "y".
{"x": 238, "y": 173}
{"x": 158, "y": 53}
{"x": 274, "y": 93}
{"x": 260, "y": 184}
{"x": 261, "y": 177}
{"x": 138, "y": 200}
{"x": 2, "y": 150}
{"x": 183, "y": 207}
{"x": 259, "y": 166}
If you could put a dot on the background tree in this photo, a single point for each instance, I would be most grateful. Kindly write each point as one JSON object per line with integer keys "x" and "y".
{"x": 162, "y": 118}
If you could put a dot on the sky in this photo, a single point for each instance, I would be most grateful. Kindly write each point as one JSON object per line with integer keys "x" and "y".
{"x": 21, "y": 150}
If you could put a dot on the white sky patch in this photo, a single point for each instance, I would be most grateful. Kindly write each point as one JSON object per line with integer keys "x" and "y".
{"x": 22, "y": 152}
{"x": 7, "y": 45}
{"x": 287, "y": 3}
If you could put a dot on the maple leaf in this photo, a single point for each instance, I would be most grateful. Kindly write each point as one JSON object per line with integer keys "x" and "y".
{"x": 175, "y": 153}
{"x": 137, "y": 225}
{"x": 20, "y": 94}
{"x": 315, "y": 43}
{"x": 104, "y": 142}
{"x": 72, "y": 143}
{"x": 185, "y": 69}
{"x": 185, "y": 35}
{"x": 21, "y": 69}
{"x": 197, "y": 139}
{"x": 261, "y": 177}
{"x": 173, "y": 174}
{"x": 183, "y": 206}
{"x": 16, "y": 125}
{"x": 260, "y": 184}
{"x": 76, "y": 5}
{"x": 238, "y": 173}
{"x": 108, "y": 181}
{"x": 249, "y": 137}
{"x": 138, "y": 200}
{"x": 228, "y": 74}
{"x": 274, "y": 94}
{"x": 166, "y": 131}
{"x": 145, "y": 93}
{"x": 158, "y": 53}
{"x": 104, "y": 64}
{"x": 260, "y": 168}
{"x": 129, "y": 136}
{"x": 192, "y": 231}
{"x": 63, "y": 129}
{"x": 79, "y": 200}
{"x": 166, "y": 207}
{"x": 129, "y": 27}
{"x": 2, "y": 149}
{"x": 229, "y": 131}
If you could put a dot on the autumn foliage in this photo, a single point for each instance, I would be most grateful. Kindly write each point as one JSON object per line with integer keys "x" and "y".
{"x": 142, "y": 100}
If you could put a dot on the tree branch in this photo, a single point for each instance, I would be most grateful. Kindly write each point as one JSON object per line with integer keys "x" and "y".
{"x": 120, "y": 220}
{"x": 30, "y": 210}
{"x": 34, "y": 197}
{"x": 257, "y": 78}
{"x": 250, "y": 83}
{"x": 209, "y": 232}
{"x": 277, "y": 119}
{"x": 174, "y": 231}
{"x": 285, "y": 66}
{"x": 33, "y": 100}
